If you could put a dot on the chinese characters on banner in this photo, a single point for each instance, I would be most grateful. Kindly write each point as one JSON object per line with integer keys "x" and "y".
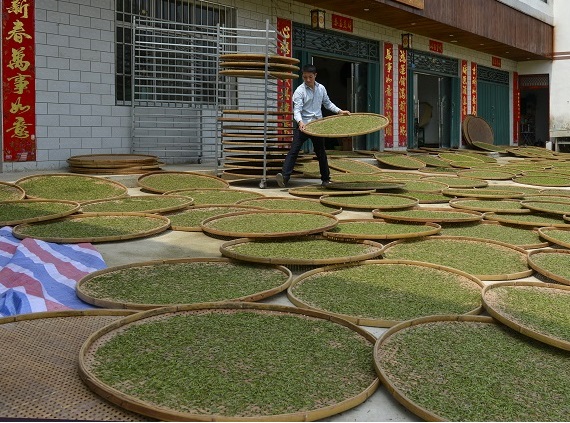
{"x": 341, "y": 23}
{"x": 463, "y": 89}
{"x": 284, "y": 86}
{"x": 388, "y": 94}
{"x": 18, "y": 80}
{"x": 402, "y": 98}
{"x": 474, "y": 88}
{"x": 516, "y": 108}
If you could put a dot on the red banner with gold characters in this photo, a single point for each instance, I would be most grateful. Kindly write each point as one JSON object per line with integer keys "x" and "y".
{"x": 464, "y": 79}
{"x": 516, "y": 108}
{"x": 474, "y": 88}
{"x": 388, "y": 94}
{"x": 284, "y": 86}
{"x": 402, "y": 98}
{"x": 18, "y": 81}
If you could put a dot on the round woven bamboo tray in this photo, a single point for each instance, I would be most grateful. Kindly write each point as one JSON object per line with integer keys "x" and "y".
{"x": 352, "y": 125}
{"x": 327, "y": 219}
{"x": 317, "y": 190}
{"x": 464, "y": 132}
{"x": 372, "y": 250}
{"x": 365, "y": 185}
{"x": 374, "y": 201}
{"x": 546, "y": 272}
{"x": 489, "y": 147}
{"x": 423, "y": 229}
{"x": 497, "y": 311}
{"x": 448, "y": 343}
{"x": 437, "y": 215}
{"x": 484, "y": 224}
{"x": 272, "y": 66}
{"x": 486, "y": 174}
{"x": 252, "y": 173}
{"x": 112, "y": 160}
{"x": 197, "y": 314}
{"x": 15, "y": 219}
{"x": 272, "y": 167}
{"x": 159, "y": 224}
{"x": 531, "y": 219}
{"x": 393, "y": 296}
{"x": 259, "y": 158}
{"x": 159, "y": 181}
{"x": 552, "y": 207}
{"x": 545, "y": 233}
{"x": 83, "y": 291}
{"x": 423, "y": 186}
{"x": 399, "y": 161}
{"x": 544, "y": 181}
{"x": 171, "y": 203}
{"x": 429, "y": 161}
{"x": 131, "y": 170}
{"x": 428, "y": 197}
{"x": 221, "y": 195}
{"x": 482, "y": 193}
{"x": 256, "y": 57}
{"x": 38, "y": 363}
{"x": 458, "y": 181}
{"x": 449, "y": 252}
{"x": 498, "y": 206}
{"x": 11, "y": 192}
{"x": 84, "y": 188}
{"x": 212, "y": 209}
{"x": 258, "y": 74}
{"x": 294, "y": 204}
{"x": 353, "y": 166}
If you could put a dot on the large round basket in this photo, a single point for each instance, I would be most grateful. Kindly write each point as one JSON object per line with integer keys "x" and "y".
{"x": 27, "y": 211}
{"x": 431, "y": 214}
{"x": 557, "y": 270}
{"x": 435, "y": 366}
{"x": 139, "y": 204}
{"x": 11, "y": 192}
{"x": 497, "y": 306}
{"x": 38, "y": 363}
{"x": 268, "y": 224}
{"x": 156, "y": 267}
{"x": 556, "y": 235}
{"x": 387, "y": 280}
{"x": 346, "y": 125}
{"x": 214, "y": 363}
{"x": 381, "y": 229}
{"x": 162, "y": 182}
{"x": 94, "y": 227}
{"x": 65, "y": 186}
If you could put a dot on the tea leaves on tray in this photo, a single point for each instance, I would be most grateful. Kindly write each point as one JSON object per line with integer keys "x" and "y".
{"x": 141, "y": 203}
{"x": 71, "y": 187}
{"x": 23, "y": 210}
{"x": 509, "y": 234}
{"x": 270, "y": 222}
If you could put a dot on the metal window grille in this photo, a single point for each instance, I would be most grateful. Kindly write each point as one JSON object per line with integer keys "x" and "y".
{"x": 492, "y": 75}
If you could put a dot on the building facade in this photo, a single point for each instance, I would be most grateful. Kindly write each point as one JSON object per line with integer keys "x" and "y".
{"x": 425, "y": 65}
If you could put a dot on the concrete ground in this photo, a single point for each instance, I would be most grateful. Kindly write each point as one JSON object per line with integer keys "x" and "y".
{"x": 381, "y": 406}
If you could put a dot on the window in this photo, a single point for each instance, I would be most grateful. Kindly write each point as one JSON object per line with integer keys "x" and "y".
{"x": 163, "y": 60}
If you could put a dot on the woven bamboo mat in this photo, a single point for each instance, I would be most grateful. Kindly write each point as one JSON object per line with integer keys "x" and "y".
{"x": 38, "y": 364}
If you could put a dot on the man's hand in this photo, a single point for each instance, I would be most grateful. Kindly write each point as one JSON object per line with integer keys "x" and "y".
{"x": 344, "y": 112}
{"x": 302, "y": 126}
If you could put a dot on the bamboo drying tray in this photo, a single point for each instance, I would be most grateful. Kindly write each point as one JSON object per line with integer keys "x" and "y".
{"x": 458, "y": 181}
{"x": 365, "y": 185}
{"x": 38, "y": 363}
{"x": 138, "y": 204}
{"x": 317, "y": 190}
{"x": 497, "y": 206}
{"x": 65, "y": 186}
{"x": 113, "y": 163}
{"x": 162, "y": 182}
{"x": 11, "y": 192}
{"x": 552, "y": 207}
{"x": 84, "y": 227}
{"x": 353, "y": 166}
{"x": 546, "y": 233}
{"x": 185, "y": 221}
{"x": 399, "y": 161}
{"x": 368, "y": 294}
{"x": 556, "y": 274}
{"x": 370, "y": 201}
{"x": 17, "y": 211}
{"x": 427, "y": 197}
{"x": 491, "y": 230}
{"x": 423, "y": 186}
{"x": 482, "y": 193}
{"x": 259, "y": 224}
{"x": 429, "y": 214}
{"x": 498, "y": 307}
{"x": 498, "y": 175}
{"x": 437, "y": 252}
{"x": 294, "y": 204}
{"x": 526, "y": 219}
{"x": 302, "y": 251}
{"x": 258, "y": 74}
{"x": 412, "y": 357}
{"x": 378, "y": 230}
{"x": 254, "y": 322}
{"x": 215, "y": 272}
{"x": 204, "y": 196}
{"x": 489, "y": 147}
{"x": 352, "y": 125}
{"x": 544, "y": 181}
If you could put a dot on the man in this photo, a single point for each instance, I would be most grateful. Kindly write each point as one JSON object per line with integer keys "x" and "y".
{"x": 307, "y": 101}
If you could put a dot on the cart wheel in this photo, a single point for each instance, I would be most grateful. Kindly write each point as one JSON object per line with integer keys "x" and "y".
{"x": 262, "y": 184}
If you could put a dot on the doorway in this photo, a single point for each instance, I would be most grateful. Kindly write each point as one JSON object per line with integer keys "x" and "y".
{"x": 347, "y": 86}
{"x": 534, "y": 109}
{"x": 432, "y": 110}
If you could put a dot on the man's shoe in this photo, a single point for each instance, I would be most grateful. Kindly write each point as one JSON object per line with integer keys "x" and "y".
{"x": 326, "y": 183}
{"x": 281, "y": 180}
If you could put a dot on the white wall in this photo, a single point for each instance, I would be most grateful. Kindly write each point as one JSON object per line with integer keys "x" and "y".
{"x": 559, "y": 80}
